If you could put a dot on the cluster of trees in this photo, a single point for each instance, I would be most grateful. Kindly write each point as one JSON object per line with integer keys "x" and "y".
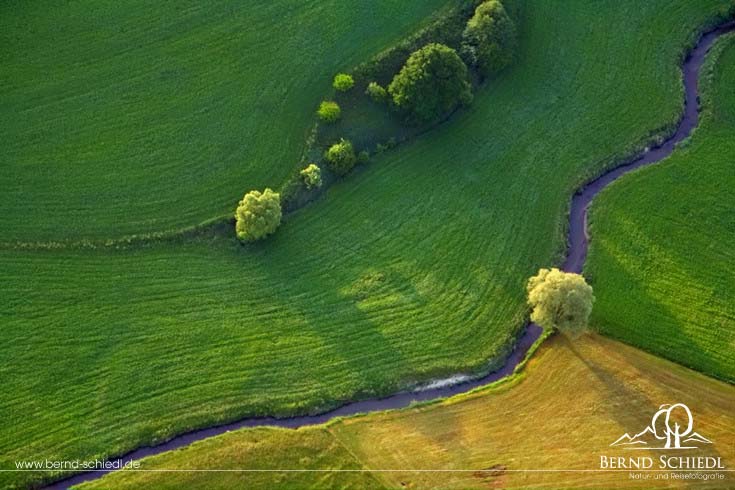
{"x": 433, "y": 82}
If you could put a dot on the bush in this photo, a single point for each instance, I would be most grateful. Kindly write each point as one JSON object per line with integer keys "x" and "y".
{"x": 257, "y": 215}
{"x": 341, "y": 157}
{"x": 489, "y": 39}
{"x": 561, "y": 300}
{"x": 311, "y": 176}
{"x": 376, "y": 92}
{"x": 329, "y": 111}
{"x": 363, "y": 157}
{"x": 343, "y": 82}
{"x": 432, "y": 83}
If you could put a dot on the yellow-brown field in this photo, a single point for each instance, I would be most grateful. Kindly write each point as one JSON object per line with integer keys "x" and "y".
{"x": 561, "y": 413}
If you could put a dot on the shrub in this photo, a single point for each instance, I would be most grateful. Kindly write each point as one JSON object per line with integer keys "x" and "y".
{"x": 343, "y": 82}
{"x": 489, "y": 39}
{"x": 329, "y": 111}
{"x": 431, "y": 84}
{"x": 561, "y": 300}
{"x": 257, "y": 215}
{"x": 341, "y": 157}
{"x": 376, "y": 92}
{"x": 312, "y": 176}
{"x": 363, "y": 156}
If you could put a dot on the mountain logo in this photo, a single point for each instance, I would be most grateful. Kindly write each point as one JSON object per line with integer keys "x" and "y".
{"x": 673, "y": 424}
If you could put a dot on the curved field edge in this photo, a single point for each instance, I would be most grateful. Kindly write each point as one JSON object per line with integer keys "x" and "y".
{"x": 661, "y": 256}
{"x": 595, "y": 386}
{"x": 412, "y": 269}
{"x": 442, "y": 24}
{"x": 151, "y": 119}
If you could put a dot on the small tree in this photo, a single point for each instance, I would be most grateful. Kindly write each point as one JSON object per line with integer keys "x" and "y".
{"x": 376, "y": 92}
{"x": 312, "y": 176}
{"x": 343, "y": 82}
{"x": 329, "y": 111}
{"x": 257, "y": 215}
{"x": 341, "y": 157}
{"x": 560, "y": 300}
{"x": 432, "y": 83}
{"x": 489, "y": 39}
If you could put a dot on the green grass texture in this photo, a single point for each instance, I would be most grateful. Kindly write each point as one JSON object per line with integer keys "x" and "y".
{"x": 133, "y": 117}
{"x": 412, "y": 268}
{"x": 661, "y": 257}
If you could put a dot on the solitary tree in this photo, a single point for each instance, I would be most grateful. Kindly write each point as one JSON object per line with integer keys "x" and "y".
{"x": 257, "y": 215}
{"x": 433, "y": 82}
{"x": 329, "y": 111}
{"x": 312, "y": 176}
{"x": 343, "y": 82}
{"x": 489, "y": 39}
{"x": 561, "y": 300}
{"x": 341, "y": 157}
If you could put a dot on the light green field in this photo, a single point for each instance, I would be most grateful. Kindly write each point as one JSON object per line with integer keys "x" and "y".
{"x": 563, "y": 412}
{"x": 132, "y": 117}
{"x": 410, "y": 269}
{"x": 662, "y": 256}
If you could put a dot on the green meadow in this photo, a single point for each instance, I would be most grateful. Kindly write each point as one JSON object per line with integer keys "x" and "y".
{"x": 661, "y": 257}
{"x": 133, "y": 117}
{"x": 413, "y": 267}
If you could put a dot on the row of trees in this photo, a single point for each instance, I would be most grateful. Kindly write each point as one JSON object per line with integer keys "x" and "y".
{"x": 433, "y": 82}
{"x": 435, "y": 79}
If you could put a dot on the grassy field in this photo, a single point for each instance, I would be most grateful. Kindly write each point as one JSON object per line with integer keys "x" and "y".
{"x": 661, "y": 258}
{"x": 563, "y": 412}
{"x": 131, "y": 117}
{"x": 412, "y": 268}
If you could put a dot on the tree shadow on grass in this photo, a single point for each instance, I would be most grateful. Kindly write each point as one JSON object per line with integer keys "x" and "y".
{"x": 360, "y": 360}
{"x": 628, "y": 405}
{"x": 675, "y": 343}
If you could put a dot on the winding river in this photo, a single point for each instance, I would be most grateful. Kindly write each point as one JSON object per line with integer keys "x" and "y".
{"x": 574, "y": 262}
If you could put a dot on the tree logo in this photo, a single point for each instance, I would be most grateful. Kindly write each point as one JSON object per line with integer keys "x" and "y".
{"x": 673, "y": 424}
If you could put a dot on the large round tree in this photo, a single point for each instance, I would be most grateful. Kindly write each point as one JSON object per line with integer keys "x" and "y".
{"x": 433, "y": 82}
{"x": 561, "y": 300}
{"x": 489, "y": 39}
{"x": 257, "y": 215}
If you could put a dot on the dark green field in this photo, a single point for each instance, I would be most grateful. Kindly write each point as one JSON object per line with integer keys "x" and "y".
{"x": 411, "y": 268}
{"x": 662, "y": 259}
